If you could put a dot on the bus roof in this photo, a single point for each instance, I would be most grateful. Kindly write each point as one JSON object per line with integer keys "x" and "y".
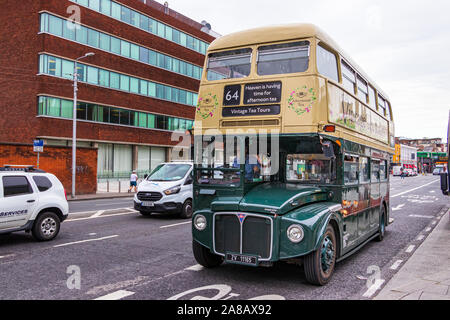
{"x": 285, "y": 32}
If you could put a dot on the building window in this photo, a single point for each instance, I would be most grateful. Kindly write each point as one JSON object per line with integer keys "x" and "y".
{"x": 105, "y": 42}
{"x": 124, "y": 83}
{"x": 115, "y": 45}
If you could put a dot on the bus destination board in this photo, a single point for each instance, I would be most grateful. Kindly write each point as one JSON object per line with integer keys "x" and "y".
{"x": 251, "y": 111}
{"x": 264, "y": 92}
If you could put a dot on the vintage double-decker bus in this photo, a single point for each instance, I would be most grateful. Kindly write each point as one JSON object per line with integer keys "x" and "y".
{"x": 292, "y": 149}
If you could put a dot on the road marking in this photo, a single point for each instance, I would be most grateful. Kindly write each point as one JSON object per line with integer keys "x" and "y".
{"x": 410, "y": 249}
{"x": 399, "y": 207}
{"x": 397, "y": 195}
{"x": 7, "y": 256}
{"x": 373, "y": 288}
{"x": 84, "y": 241}
{"x": 197, "y": 267}
{"x": 420, "y": 238}
{"x": 420, "y": 216}
{"x": 98, "y": 214}
{"x": 116, "y": 295}
{"x": 427, "y": 229}
{"x": 102, "y": 216}
{"x": 432, "y": 191}
{"x": 434, "y": 222}
{"x": 174, "y": 225}
{"x": 109, "y": 203}
{"x": 396, "y": 264}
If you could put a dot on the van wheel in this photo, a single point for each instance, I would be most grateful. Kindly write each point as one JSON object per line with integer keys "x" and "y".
{"x": 204, "y": 257}
{"x": 46, "y": 227}
{"x": 186, "y": 211}
{"x": 382, "y": 228}
{"x": 319, "y": 265}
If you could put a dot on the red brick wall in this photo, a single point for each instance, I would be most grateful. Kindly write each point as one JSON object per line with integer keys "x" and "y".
{"x": 58, "y": 161}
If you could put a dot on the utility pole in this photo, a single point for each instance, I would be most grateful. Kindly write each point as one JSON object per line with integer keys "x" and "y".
{"x": 74, "y": 116}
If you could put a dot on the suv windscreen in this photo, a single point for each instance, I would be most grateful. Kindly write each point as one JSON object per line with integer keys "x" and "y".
{"x": 283, "y": 58}
{"x": 16, "y": 185}
{"x": 229, "y": 64}
{"x": 169, "y": 172}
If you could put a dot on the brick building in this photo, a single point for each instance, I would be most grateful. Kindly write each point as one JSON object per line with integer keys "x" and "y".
{"x": 137, "y": 89}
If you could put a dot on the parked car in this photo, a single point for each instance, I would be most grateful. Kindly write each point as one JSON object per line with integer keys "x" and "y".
{"x": 437, "y": 171}
{"x": 168, "y": 189}
{"x": 31, "y": 200}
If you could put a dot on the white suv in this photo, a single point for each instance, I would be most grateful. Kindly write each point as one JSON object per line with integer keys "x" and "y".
{"x": 31, "y": 200}
{"x": 168, "y": 189}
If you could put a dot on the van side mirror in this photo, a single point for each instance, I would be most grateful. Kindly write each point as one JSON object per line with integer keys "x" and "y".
{"x": 188, "y": 181}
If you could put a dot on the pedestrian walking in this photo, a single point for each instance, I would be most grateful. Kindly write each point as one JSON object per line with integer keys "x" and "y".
{"x": 133, "y": 181}
{"x": 402, "y": 174}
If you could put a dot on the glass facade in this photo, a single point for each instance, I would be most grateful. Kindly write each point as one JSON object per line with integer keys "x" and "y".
{"x": 143, "y": 22}
{"x": 63, "y": 108}
{"x": 81, "y": 34}
{"x": 64, "y": 68}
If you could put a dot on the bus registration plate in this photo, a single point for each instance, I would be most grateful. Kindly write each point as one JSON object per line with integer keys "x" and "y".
{"x": 241, "y": 259}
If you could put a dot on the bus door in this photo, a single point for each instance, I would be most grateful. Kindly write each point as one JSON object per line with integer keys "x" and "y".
{"x": 375, "y": 197}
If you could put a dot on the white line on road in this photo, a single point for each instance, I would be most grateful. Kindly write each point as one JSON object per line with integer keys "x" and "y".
{"x": 102, "y": 216}
{"x": 197, "y": 267}
{"x": 7, "y": 256}
{"x": 396, "y": 264}
{"x": 420, "y": 216}
{"x": 427, "y": 229}
{"x": 373, "y": 288}
{"x": 116, "y": 295}
{"x": 98, "y": 214}
{"x": 434, "y": 222}
{"x": 410, "y": 249}
{"x": 420, "y": 238}
{"x": 399, "y": 207}
{"x": 397, "y": 195}
{"x": 174, "y": 225}
{"x": 84, "y": 241}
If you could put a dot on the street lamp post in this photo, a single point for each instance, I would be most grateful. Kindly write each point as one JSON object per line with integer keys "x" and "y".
{"x": 74, "y": 115}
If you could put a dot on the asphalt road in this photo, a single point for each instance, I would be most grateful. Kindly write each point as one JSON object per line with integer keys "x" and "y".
{"x": 123, "y": 255}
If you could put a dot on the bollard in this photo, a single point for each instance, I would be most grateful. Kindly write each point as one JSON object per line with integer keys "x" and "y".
{"x": 119, "y": 185}
{"x": 107, "y": 185}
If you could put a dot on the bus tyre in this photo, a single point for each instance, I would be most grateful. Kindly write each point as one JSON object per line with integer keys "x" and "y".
{"x": 319, "y": 265}
{"x": 186, "y": 210}
{"x": 46, "y": 227}
{"x": 382, "y": 228}
{"x": 204, "y": 257}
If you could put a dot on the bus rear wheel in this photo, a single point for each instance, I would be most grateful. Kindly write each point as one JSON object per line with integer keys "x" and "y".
{"x": 319, "y": 265}
{"x": 204, "y": 257}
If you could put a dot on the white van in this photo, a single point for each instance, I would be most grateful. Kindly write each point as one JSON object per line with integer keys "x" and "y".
{"x": 397, "y": 170}
{"x": 168, "y": 189}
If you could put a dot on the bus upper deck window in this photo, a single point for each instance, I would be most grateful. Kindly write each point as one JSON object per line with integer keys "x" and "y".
{"x": 229, "y": 64}
{"x": 283, "y": 58}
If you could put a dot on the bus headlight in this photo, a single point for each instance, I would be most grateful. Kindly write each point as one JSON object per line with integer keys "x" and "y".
{"x": 200, "y": 222}
{"x": 295, "y": 233}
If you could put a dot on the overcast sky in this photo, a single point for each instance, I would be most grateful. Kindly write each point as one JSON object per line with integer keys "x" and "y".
{"x": 404, "y": 46}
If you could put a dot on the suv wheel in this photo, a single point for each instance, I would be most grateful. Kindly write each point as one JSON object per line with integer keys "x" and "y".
{"x": 186, "y": 211}
{"x": 46, "y": 227}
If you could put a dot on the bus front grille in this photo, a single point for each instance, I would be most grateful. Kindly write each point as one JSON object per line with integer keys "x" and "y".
{"x": 252, "y": 237}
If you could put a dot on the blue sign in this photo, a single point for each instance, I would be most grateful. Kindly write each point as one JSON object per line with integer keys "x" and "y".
{"x": 38, "y": 143}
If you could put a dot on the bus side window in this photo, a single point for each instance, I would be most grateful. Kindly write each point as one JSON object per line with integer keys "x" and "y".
{"x": 348, "y": 77}
{"x": 351, "y": 167}
{"x": 364, "y": 170}
{"x": 327, "y": 63}
{"x": 375, "y": 171}
{"x": 383, "y": 170}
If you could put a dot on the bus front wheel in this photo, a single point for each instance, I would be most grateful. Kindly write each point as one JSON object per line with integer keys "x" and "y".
{"x": 204, "y": 257}
{"x": 319, "y": 265}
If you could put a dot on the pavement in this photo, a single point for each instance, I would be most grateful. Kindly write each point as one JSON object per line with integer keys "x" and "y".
{"x": 426, "y": 275}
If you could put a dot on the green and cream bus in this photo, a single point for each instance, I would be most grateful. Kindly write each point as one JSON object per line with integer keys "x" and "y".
{"x": 292, "y": 150}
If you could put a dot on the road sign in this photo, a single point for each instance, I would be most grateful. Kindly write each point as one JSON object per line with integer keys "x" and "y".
{"x": 38, "y": 145}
